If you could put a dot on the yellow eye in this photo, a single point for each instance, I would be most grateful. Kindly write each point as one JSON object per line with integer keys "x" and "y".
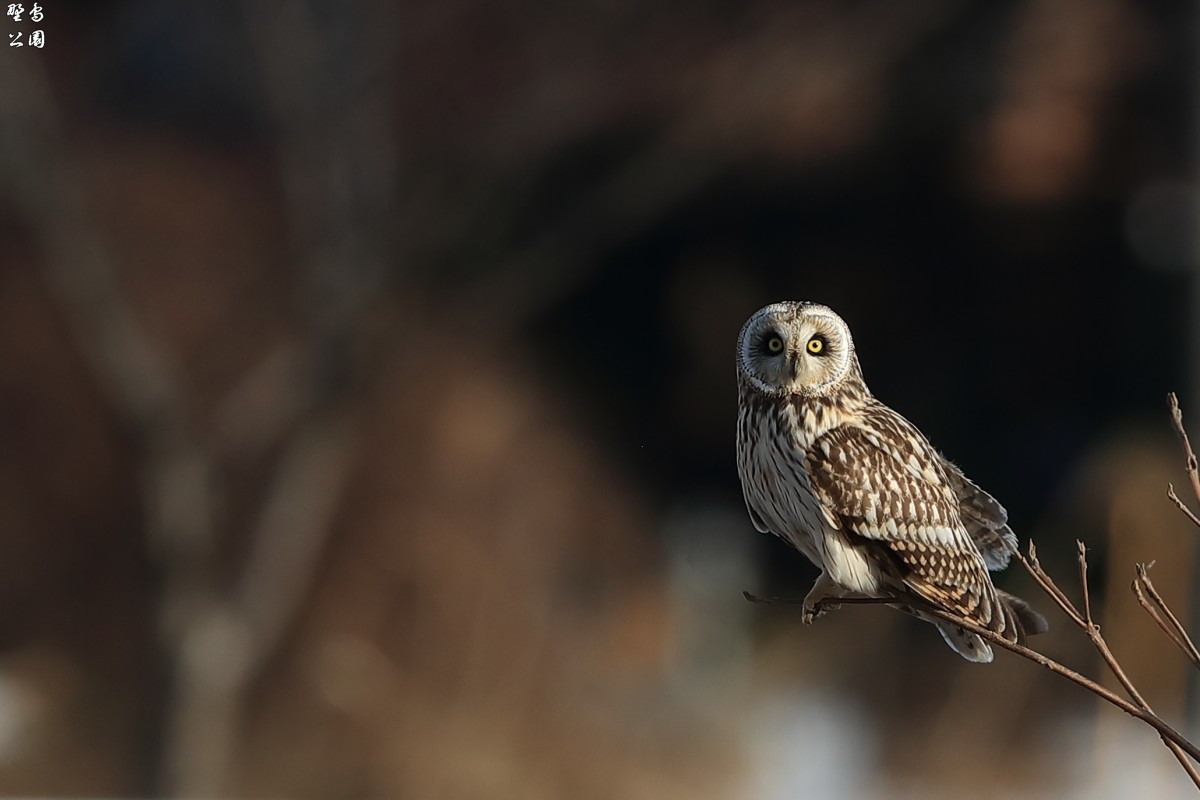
{"x": 816, "y": 345}
{"x": 774, "y": 344}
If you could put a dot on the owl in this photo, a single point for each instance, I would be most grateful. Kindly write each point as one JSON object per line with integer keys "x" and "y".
{"x": 859, "y": 490}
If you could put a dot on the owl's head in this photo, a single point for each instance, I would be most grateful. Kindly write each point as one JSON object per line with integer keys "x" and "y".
{"x": 797, "y": 348}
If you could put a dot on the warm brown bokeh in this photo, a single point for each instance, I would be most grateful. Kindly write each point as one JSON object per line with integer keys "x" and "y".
{"x": 367, "y": 389}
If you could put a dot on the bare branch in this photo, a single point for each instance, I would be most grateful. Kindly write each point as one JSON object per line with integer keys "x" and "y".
{"x": 845, "y": 601}
{"x": 1149, "y": 598}
{"x": 1184, "y": 751}
{"x": 1034, "y": 568}
{"x": 180, "y": 499}
{"x": 1168, "y": 733}
{"x": 216, "y": 634}
{"x": 1181, "y": 506}
{"x": 1178, "y": 744}
{"x": 1083, "y": 585}
{"x": 1192, "y": 470}
{"x": 1101, "y": 645}
{"x": 291, "y": 535}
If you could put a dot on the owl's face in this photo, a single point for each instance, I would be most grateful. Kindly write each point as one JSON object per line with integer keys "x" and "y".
{"x": 795, "y": 348}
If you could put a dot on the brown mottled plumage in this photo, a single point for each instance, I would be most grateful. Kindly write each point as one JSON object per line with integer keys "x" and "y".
{"x": 858, "y": 489}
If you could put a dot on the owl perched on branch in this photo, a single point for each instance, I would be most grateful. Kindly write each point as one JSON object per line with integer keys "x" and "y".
{"x": 859, "y": 490}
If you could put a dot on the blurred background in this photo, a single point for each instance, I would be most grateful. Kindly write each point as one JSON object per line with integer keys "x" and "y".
{"x": 367, "y": 405}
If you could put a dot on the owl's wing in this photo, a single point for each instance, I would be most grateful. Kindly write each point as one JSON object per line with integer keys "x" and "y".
{"x": 881, "y": 481}
{"x": 985, "y": 519}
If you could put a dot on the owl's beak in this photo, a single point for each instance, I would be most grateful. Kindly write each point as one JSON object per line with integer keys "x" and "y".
{"x": 794, "y": 365}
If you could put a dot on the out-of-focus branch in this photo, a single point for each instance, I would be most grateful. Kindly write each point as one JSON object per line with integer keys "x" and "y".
{"x": 291, "y": 532}
{"x": 43, "y": 184}
{"x": 216, "y": 637}
{"x": 330, "y": 103}
{"x": 325, "y": 80}
{"x": 178, "y": 492}
{"x": 335, "y": 204}
{"x": 233, "y": 639}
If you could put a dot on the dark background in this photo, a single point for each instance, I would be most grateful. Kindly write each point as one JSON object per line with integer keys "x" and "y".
{"x": 368, "y": 388}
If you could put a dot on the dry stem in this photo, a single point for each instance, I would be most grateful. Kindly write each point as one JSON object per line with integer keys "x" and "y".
{"x": 1168, "y": 733}
{"x": 1185, "y": 752}
{"x": 1157, "y": 608}
{"x": 1192, "y": 470}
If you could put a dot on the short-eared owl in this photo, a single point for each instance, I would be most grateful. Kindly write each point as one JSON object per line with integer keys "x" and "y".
{"x": 858, "y": 489}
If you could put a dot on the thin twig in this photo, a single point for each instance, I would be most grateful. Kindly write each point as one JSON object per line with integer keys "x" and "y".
{"x": 1184, "y": 751}
{"x": 1034, "y": 568}
{"x": 1101, "y": 645}
{"x": 1156, "y": 614}
{"x": 1181, "y": 506}
{"x": 1115, "y": 699}
{"x": 1160, "y": 612}
{"x": 1083, "y": 585}
{"x": 846, "y": 601}
{"x": 1179, "y": 745}
{"x": 1192, "y": 470}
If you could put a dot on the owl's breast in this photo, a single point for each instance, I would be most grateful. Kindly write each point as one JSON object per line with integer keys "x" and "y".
{"x": 775, "y": 481}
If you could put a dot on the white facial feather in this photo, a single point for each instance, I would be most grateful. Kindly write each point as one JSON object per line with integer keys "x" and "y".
{"x": 794, "y": 369}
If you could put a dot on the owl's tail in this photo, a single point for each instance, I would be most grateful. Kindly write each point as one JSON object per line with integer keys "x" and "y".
{"x": 968, "y": 645}
{"x": 1020, "y": 620}
{"x": 1016, "y": 622}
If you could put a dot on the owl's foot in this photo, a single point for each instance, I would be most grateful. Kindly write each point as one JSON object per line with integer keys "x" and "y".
{"x": 821, "y": 599}
{"x": 818, "y": 608}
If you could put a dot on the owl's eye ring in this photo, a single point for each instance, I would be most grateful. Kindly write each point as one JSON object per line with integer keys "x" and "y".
{"x": 816, "y": 345}
{"x": 775, "y": 344}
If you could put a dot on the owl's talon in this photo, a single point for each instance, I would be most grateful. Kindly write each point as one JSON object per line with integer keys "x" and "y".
{"x": 818, "y": 609}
